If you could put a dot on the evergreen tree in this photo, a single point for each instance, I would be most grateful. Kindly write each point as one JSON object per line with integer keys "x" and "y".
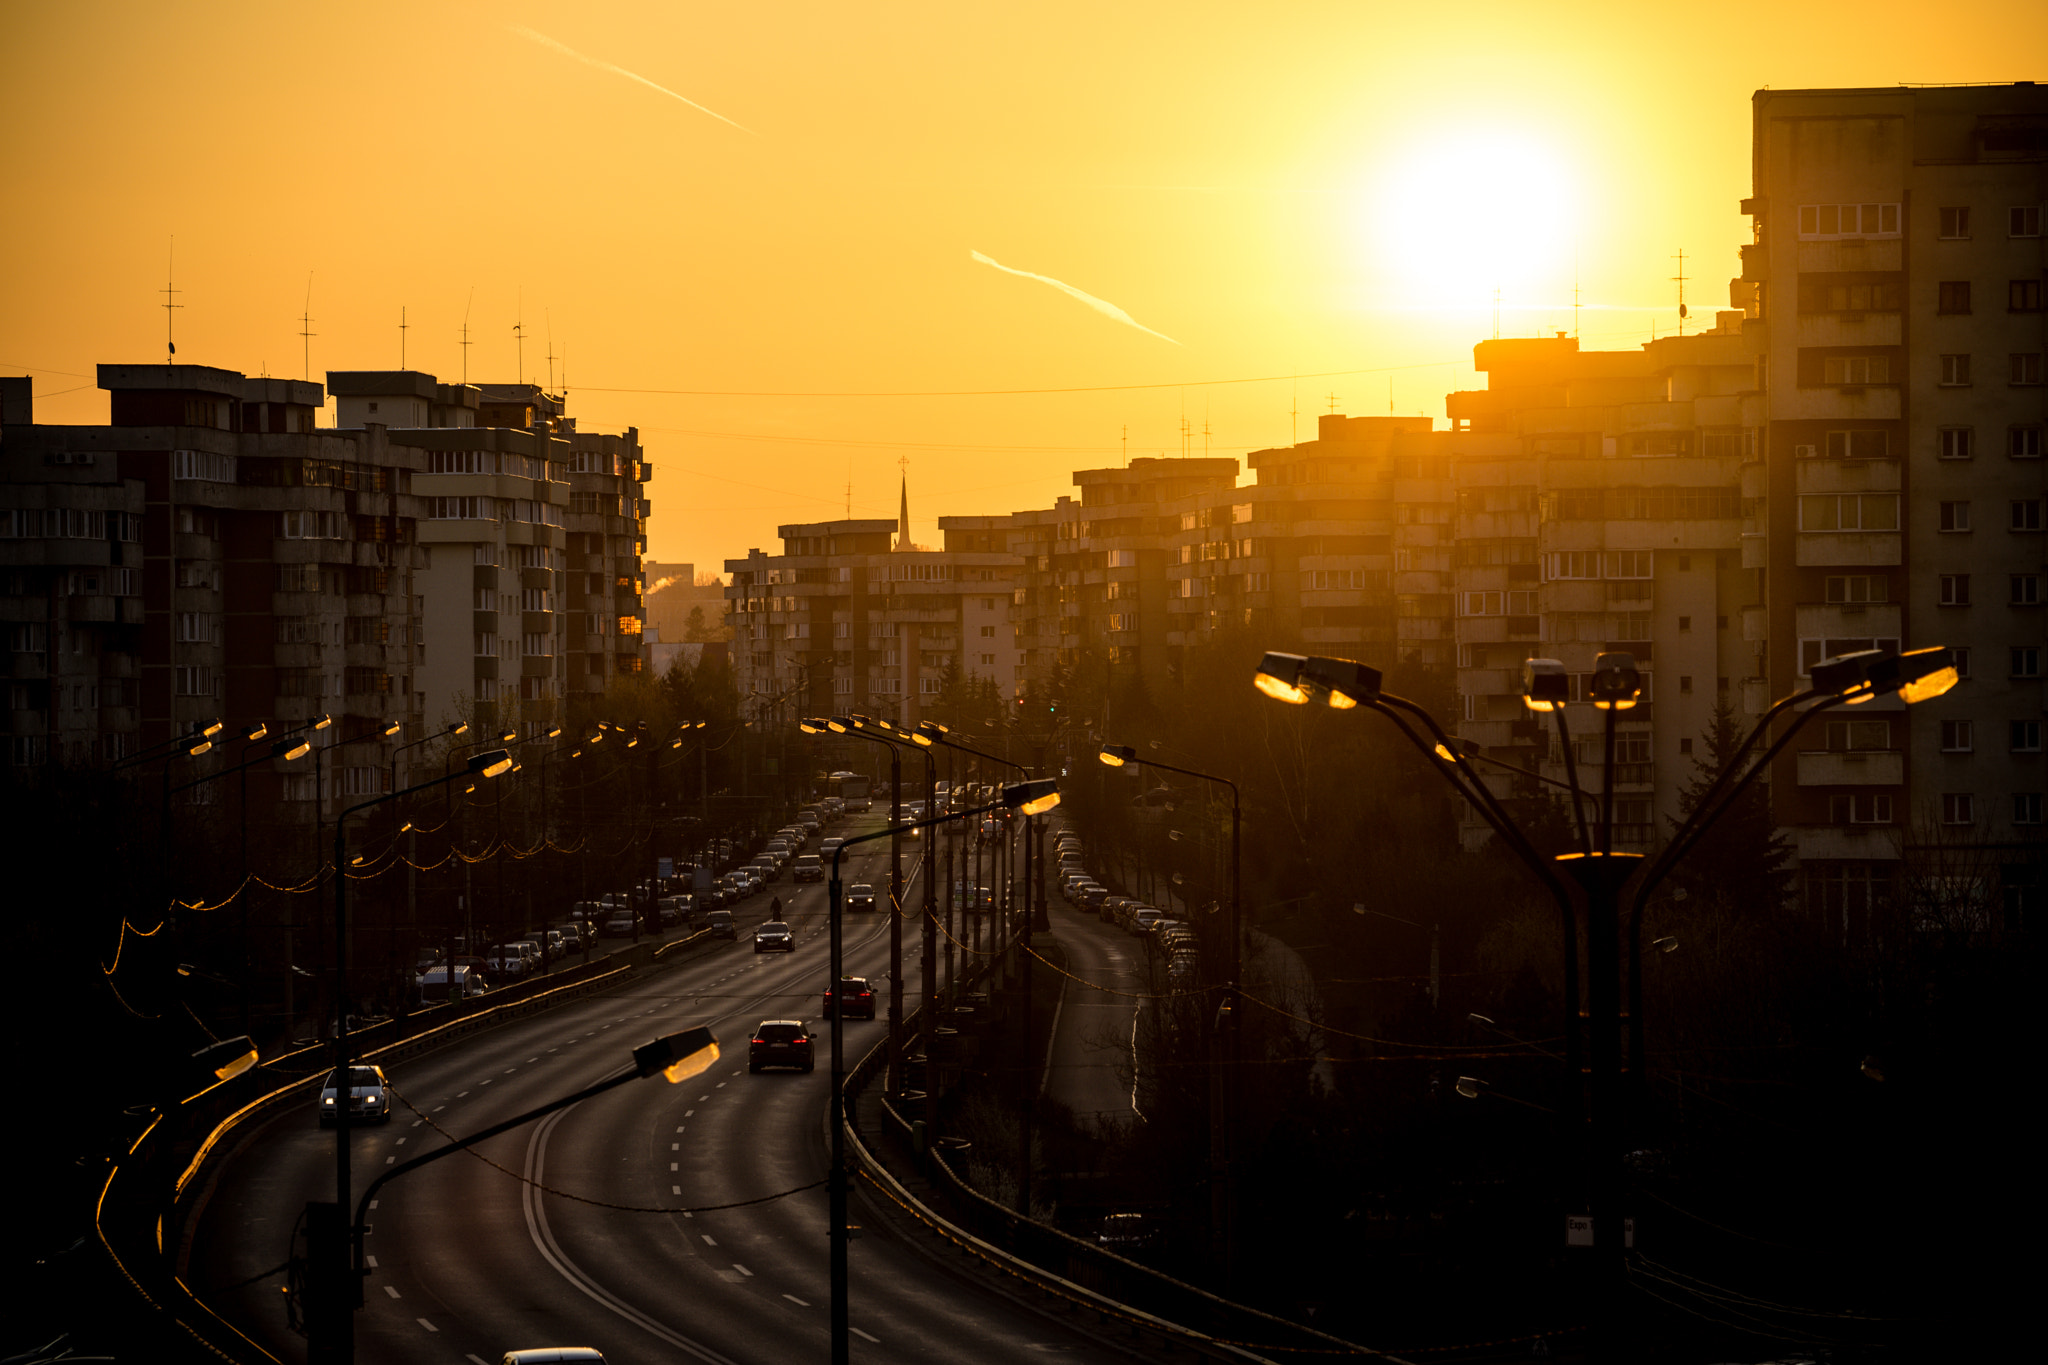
{"x": 1743, "y": 859}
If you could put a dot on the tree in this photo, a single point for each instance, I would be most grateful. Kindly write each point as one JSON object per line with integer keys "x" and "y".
{"x": 1743, "y": 858}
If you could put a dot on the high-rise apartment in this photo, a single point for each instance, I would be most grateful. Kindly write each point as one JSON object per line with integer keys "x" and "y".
{"x": 1895, "y": 283}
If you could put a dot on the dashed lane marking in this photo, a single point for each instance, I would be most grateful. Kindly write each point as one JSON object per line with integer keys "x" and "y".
{"x": 743, "y": 1270}
{"x": 370, "y": 1261}
{"x": 676, "y": 1189}
{"x": 862, "y": 1335}
{"x": 392, "y": 1290}
{"x": 428, "y": 1325}
{"x": 673, "y": 1166}
{"x": 797, "y": 1301}
{"x": 390, "y": 1161}
{"x": 708, "y": 1239}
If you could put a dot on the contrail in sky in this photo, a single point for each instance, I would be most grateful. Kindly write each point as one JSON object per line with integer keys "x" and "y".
{"x": 568, "y": 51}
{"x": 1107, "y": 309}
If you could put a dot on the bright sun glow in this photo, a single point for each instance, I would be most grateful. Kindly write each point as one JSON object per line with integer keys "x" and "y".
{"x": 1455, "y": 219}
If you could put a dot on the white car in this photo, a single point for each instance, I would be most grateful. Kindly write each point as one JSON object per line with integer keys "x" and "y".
{"x": 369, "y": 1100}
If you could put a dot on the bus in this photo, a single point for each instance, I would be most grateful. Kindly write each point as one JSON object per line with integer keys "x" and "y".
{"x": 852, "y": 789}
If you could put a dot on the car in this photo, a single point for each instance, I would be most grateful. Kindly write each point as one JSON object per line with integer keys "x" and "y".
{"x": 830, "y": 846}
{"x": 809, "y": 868}
{"x": 1142, "y": 919}
{"x": 774, "y": 937}
{"x": 620, "y": 925}
{"x": 860, "y": 998}
{"x": 719, "y": 922}
{"x": 780, "y": 1042}
{"x": 860, "y": 896}
{"x": 767, "y": 868}
{"x": 369, "y": 1097}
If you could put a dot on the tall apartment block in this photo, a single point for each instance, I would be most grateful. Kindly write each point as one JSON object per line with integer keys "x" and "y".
{"x": 1598, "y": 508}
{"x": 532, "y": 534}
{"x": 209, "y": 553}
{"x": 840, "y": 621}
{"x": 1896, "y": 279}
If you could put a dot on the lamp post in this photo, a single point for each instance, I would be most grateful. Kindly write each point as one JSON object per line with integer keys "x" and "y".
{"x": 339, "y": 1345}
{"x": 1222, "y": 1104}
{"x": 1601, "y": 874}
{"x": 1029, "y": 797}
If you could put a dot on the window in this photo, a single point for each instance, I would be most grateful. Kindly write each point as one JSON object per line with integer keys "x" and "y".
{"x": 2026, "y": 661}
{"x": 1855, "y": 370}
{"x": 1955, "y": 224}
{"x": 1962, "y": 656}
{"x": 1858, "y": 445}
{"x": 2025, "y": 368}
{"x": 1955, "y": 590}
{"x": 1849, "y": 512}
{"x": 1955, "y": 516}
{"x": 1857, "y": 589}
{"x": 2026, "y": 514}
{"x": 2023, "y": 296}
{"x": 1955, "y": 371}
{"x": 1846, "y": 736}
{"x": 1849, "y": 220}
{"x": 1812, "y": 651}
{"x": 2023, "y": 220}
{"x": 1957, "y": 737}
{"x": 1861, "y": 808}
{"x": 2026, "y": 808}
{"x": 192, "y": 681}
{"x": 1952, "y": 296}
{"x": 1955, "y": 443}
{"x": 1685, "y": 623}
{"x": 1685, "y": 684}
{"x": 2023, "y": 443}
{"x": 202, "y": 465}
{"x": 1958, "y": 808}
{"x": 2025, "y": 737}
{"x": 2024, "y": 590}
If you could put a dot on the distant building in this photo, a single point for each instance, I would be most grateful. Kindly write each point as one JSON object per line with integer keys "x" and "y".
{"x": 1895, "y": 295}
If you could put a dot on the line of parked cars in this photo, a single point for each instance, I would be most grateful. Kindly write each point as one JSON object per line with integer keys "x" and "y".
{"x": 1171, "y": 938}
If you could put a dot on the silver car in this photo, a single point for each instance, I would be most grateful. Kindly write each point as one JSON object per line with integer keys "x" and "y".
{"x": 369, "y": 1099}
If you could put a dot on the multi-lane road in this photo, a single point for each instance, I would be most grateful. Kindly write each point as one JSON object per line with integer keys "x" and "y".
{"x": 612, "y": 1223}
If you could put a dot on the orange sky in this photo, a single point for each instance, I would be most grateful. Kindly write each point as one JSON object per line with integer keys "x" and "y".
{"x": 1261, "y": 190}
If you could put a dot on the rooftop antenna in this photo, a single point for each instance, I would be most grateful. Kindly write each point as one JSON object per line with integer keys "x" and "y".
{"x": 1333, "y": 400}
{"x": 306, "y": 332}
{"x": 519, "y": 335}
{"x": 402, "y": 324}
{"x": 550, "y": 316}
{"x": 465, "y": 333}
{"x": 170, "y": 291}
{"x": 1680, "y": 278}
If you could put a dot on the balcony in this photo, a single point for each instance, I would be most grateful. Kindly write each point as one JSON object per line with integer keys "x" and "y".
{"x": 1852, "y": 768}
{"x": 1822, "y": 549}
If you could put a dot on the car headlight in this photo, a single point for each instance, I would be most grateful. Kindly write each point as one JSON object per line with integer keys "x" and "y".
{"x": 327, "y": 1099}
{"x": 373, "y": 1100}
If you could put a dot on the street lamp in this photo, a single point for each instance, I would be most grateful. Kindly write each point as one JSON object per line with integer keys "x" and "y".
{"x": 1615, "y": 685}
{"x": 491, "y": 763}
{"x": 1028, "y": 797}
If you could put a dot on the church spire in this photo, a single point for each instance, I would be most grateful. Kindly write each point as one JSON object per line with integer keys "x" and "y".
{"x": 903, "y": 516}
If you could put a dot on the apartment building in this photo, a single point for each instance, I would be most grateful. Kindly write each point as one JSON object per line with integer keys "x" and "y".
{"x": 532, "y": 533}
{"x": 1896, "y": 280}
{"x": 208, "y": 554}
{"x": 840, "y": 621}
{"x": 1598, "y": 508}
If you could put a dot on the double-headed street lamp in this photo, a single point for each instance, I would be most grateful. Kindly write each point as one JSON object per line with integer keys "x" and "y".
{"x": 491, "y": 763}
{"x": 1028, "y": 797}
{"x": 1847, "y": 680}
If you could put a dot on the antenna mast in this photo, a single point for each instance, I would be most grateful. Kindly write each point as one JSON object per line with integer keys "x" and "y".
{"x": 170, "y": 293}
{"x": 306, "y": 332}
{"x": 1680, "y": 278}
{"x": 465, "y": 333}
{"x": 550, "y": 315}
{"x": 401, "y": 336}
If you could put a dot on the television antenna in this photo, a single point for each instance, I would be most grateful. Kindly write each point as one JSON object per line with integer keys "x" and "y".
{"x": 402, "y": 325}
{"x": 1680, "y": 279}
{"x": 170, "y": 291}
{"x": 306, "y": 332}
{"x": 465, "y": 333}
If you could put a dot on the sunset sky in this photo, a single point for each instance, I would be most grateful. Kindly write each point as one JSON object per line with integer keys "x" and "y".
{"x": 795, "y": 244}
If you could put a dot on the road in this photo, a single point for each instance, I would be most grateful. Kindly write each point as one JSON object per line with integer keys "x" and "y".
{"x": 610, "y": 1223}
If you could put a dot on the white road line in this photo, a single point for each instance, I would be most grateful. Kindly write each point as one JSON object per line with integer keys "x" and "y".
{"x": 722, "y": 1085}
{"x": 439, "y": 1107}
{"x": 687, "y": 1113}
{"x": 797, "y": 1301}
{"x": 677, "y": 1189}
{"x": 428, "y": 1325}
{"x": 674, "y": 1166}
{"x": 708, "y": 1239}
{"x": 855, "y": 1330}
{"x": 551, "y": 1251}
{"x": 743, "y": 1270}
{"x": 509, "y": 1070}
{"x": 390, "y": 1161}
{"x": 375, "y": 1202}
{"x": 391, "y": 1290}
{"x": 460, "y": 1094}
{"x": 531, "y": 1060}
{"x": 676, "y": 1146}
{"x": 399, "y": 1143}
{"x": 487, "y": 1080}
{"x": 417, "y": 1122}
{"x": 370, "y": 1261}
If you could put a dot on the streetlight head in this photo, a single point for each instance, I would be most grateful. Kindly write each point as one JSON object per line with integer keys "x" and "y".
{"x": 1345, "y": 682}
{"x": 1617, "y": 683}
{"x": 1480, "y": 1020}
{"x": 459, "y": 728}
{"x": 210, "y": 729}
{"x": 259, "y": 730}
{"x": 921, "y": 739}
{"x": 197, "y": 749}
{"x": 1468, "y": 1086}
{"x": 508, "y": 736}
{"x": 1175, "y": 836}
{"x": 1279, "y": 677}
{"x": 934, "y": 727}
{"x": 1033, "y": 797}
{"x": 1116, "y": 755}
{"x": 839, "y": 725}
{"x": 679, "y": 1056}
{"x": 490, "y": 763}
{"x": 811, "y": 725}
{"x": 1667, "y": 944}
{"x": 324, "y": 721}
{"x": 392, "y": 728}
{"x": 555, "y": 732}
{"x": 1545, "y": 686}
{"x": 1917, "y": 675}
{"x": 228, "y": 1058}
{"x": 289, "y": 749}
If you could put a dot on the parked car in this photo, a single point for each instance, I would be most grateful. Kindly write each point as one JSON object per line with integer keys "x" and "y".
{"x": 368, "y": 1098}
{"x": 780, "y": 1042}
{"x": 767, "y": 868}
{"x": 720, "y": 924}
{"x": 809, "y": 868}
{"x": 436, "y": 985}
{"x": 860, "y": 998}
{"x": 620, "y": 925}
{"x": 774, "y": 937}
{"x": 860, "y": 896}
{"x": 1141, "y": 919}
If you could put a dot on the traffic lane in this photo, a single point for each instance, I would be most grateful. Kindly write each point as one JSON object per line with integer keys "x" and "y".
{"x": 1089, "y": 1068}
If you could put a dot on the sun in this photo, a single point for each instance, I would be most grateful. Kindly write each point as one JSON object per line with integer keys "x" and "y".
{"x": 1453, "y": 219}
